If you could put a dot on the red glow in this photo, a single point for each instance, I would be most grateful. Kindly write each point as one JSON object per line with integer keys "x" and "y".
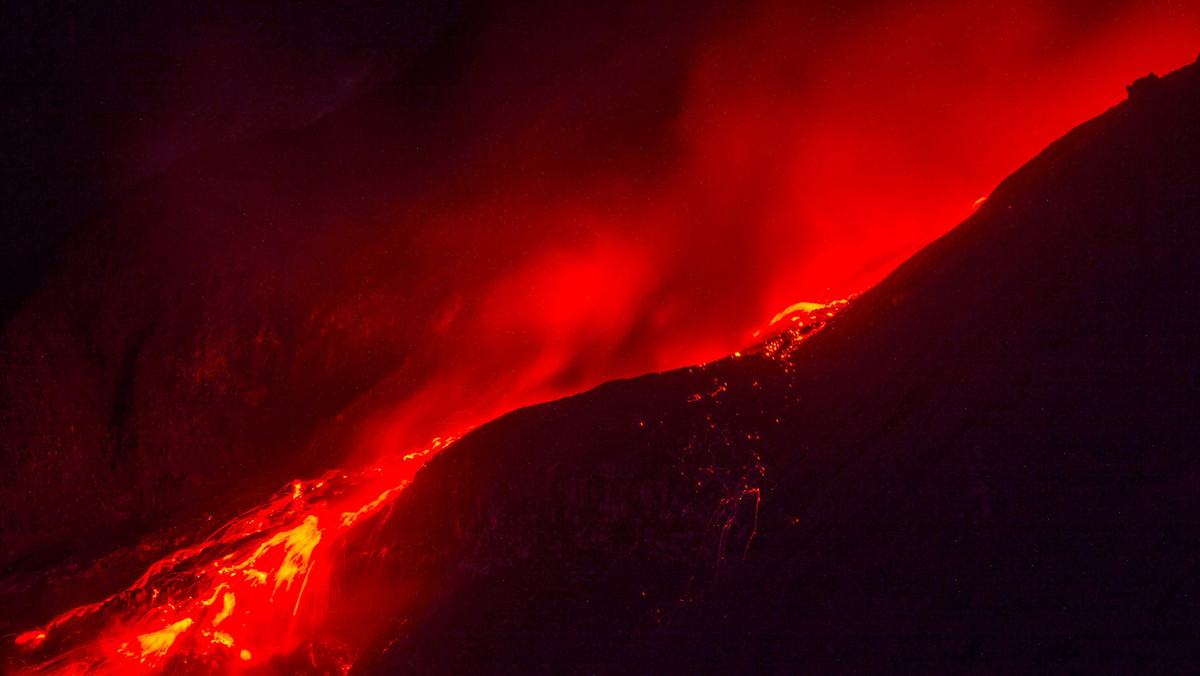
{"x": 813, "y": 151}
{"x": 30, "y": 638}
{"x": 259, "y": 586}
{"x": 877, "y": 132}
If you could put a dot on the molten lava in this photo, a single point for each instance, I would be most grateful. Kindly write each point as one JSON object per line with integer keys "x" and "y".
{"x": 257, "y": 588}
{"x": 251, "y": 591}
{"x": 793, "y": 168}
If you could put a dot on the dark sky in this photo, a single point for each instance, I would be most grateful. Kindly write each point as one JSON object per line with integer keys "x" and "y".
{"x": 98, "y": 96}
{"x": 875, "y": 122}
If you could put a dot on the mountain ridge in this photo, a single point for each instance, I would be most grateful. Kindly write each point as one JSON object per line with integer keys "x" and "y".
{"x": 985, "y": 463}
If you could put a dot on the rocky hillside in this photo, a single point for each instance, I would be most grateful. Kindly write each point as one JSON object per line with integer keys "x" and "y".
{"x": 986, "y": 463}
{"x": 190, "y": 341}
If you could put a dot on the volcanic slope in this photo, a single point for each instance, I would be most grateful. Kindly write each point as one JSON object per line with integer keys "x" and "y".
{"x": 988, "y": 462}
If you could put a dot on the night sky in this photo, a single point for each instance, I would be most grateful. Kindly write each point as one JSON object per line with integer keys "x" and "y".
{"x": 858, "y": 132}
{"x": 101, "y": 96}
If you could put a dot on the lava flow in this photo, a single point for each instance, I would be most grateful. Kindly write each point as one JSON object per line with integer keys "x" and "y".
{"x": 252, "y": 590}
{"x": 264, "y": 583}
{"x": 512, "y": 221}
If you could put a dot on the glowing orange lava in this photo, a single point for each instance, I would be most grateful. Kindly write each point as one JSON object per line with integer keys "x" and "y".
{"x": 251, "y": 591}
{"x": 254, "y": 589}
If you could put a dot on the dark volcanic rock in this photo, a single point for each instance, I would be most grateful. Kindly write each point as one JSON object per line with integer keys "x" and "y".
{"x": 988, "y": 463}
{"x": 198, "y": 337}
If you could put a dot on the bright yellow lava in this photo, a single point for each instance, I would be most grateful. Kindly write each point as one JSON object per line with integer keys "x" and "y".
{"x": 158, "y": 642}
{"x": 802, "y": 306}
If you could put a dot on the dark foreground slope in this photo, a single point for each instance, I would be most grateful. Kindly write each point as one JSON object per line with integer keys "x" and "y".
{"x": 204, "y": 335}
{"x": 988, "y": 463}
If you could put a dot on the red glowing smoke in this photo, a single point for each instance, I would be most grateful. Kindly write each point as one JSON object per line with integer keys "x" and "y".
{"x": 552, "y": 197}
{"x": 574, "y": 195}
{"x": 644, "y": 216}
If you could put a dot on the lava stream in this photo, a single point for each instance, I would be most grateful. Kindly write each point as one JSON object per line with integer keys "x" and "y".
{"x": 261, "y": 585}
{"x": 250, "y": 592}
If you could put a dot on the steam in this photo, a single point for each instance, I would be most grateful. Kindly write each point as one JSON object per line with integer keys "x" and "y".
{"x": 552, "y": 208}
{"x": 649, "y": 215}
